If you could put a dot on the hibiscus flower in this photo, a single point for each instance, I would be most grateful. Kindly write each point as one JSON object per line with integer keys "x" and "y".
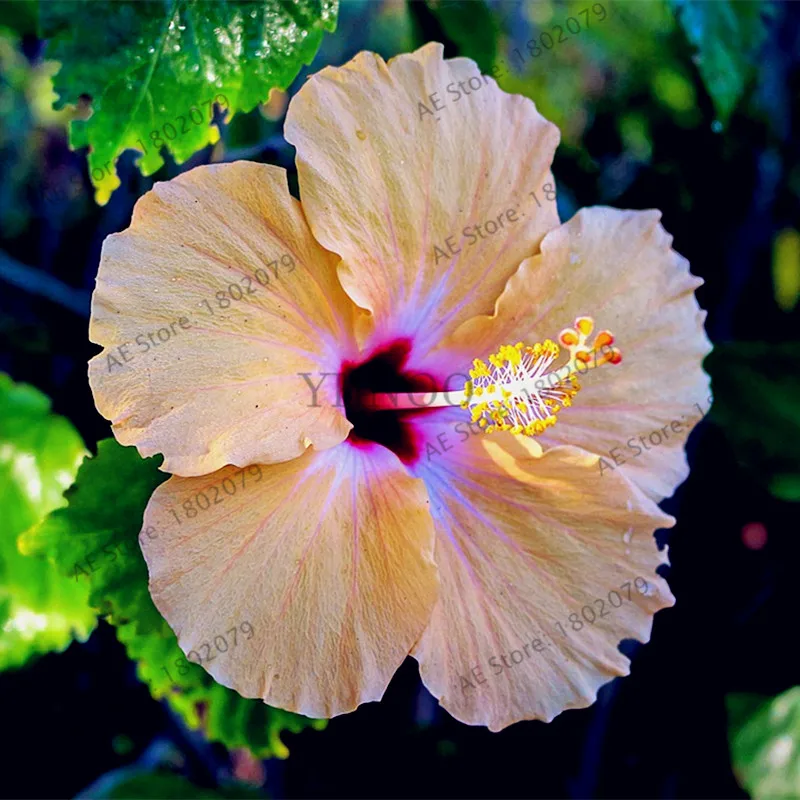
{"x": 316, "y": 530}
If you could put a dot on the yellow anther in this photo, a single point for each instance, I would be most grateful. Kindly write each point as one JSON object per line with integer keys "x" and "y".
{"x": 522, "y": 390}
{"x": 568, "y": 337}
{"x": 480, "y": 369}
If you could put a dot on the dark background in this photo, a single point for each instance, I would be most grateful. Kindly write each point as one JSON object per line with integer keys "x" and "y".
{"x": 662, "y": 731}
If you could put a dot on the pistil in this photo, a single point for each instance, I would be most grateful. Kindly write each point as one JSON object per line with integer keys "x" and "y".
{"x": 517, "y": 391}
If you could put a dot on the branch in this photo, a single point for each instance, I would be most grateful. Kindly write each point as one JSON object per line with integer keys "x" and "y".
{"x": 40, "y": 283}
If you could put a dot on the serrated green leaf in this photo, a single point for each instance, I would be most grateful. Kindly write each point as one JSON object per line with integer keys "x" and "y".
{"x": 764, "y": 735}
{"x": 756, "y": 389}
{"x": 95, "y": 541}
{"x": 40, "y": 610}
{"x": 156, "y": 68}
{"x": 728, "y": 35}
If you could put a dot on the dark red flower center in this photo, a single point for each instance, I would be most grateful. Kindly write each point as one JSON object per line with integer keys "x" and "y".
{"x": 384, "y": 371}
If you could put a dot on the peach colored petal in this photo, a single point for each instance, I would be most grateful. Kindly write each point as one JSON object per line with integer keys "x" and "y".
{"x": 617, "y": 267}
{"x": 328, "y": 557}
{"x": 223, "y": 297}
{"x": 522, "y": 543}
{"x": 383, "y": 183}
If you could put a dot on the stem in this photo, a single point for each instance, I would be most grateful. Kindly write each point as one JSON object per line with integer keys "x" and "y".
{"x": 43, "y": 284}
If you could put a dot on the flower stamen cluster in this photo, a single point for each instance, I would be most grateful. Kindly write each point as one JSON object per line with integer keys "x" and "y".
{"x": 517, "y": 392}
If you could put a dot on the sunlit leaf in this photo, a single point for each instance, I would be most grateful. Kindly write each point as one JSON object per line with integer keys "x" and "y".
{"x": 158, "y": 68}
{"x": 764, "y": 736}
{"x": 674, "y": 89}
{"x": 728, "y": 35}
{"x": 786, "y": 269}
{"x": 40, "y": 609}
{"x": 616, "y": 54}
{"x": 757, "y": 402}
{"x": 95, "y": 540}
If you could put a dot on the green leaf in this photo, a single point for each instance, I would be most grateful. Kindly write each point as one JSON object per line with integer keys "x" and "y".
{"x": 20, "y": 16}
{"x": 157, "y": 67}
{"x": 757, "y": 403}
{"x": 471, "y": 26}
{"x": 127, "y": 782}
{"x": 764, "y": 735}
{"x": 40, "y": 610}
{"x": 95, "y": 541}
{"x": 728, "y": 35}
{"x": 786, "y": 269}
